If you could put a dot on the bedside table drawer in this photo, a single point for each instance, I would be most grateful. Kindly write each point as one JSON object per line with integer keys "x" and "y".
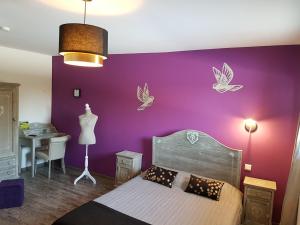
{"x": 263, "y": 194}
{"x": 11, "y": 161}
{"x": 8, "y": 173}
{"x": 124, "y": 162}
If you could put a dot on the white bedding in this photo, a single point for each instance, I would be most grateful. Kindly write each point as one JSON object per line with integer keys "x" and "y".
{"x": 159, "y": 205}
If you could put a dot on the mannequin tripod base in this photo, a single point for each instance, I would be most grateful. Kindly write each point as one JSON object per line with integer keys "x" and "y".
{"x": 86, "y": 172}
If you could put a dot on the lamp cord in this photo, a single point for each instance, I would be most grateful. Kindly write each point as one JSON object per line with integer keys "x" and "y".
{"x": 84, "y": 11}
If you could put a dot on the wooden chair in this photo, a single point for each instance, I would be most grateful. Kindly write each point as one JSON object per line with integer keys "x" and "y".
{"x": 56, "y": 150}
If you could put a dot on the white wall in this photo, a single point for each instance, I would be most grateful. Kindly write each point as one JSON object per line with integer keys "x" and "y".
{"x": 34, "y": 72}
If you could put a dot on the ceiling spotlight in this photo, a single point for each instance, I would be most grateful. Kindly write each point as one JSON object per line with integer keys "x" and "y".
{"x": 5, "y": 28}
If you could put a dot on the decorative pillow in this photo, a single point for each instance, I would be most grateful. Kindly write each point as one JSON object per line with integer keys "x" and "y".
{"x": 205, "y": 187}
{"x": 160, "y": 175}
{"x": 182, "y": 179}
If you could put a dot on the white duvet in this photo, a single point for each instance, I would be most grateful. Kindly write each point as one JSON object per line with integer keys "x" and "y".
{"x": 159, "y": 205}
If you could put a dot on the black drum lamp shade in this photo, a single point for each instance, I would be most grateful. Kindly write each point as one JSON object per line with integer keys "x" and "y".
{"x": 83, "y": 44}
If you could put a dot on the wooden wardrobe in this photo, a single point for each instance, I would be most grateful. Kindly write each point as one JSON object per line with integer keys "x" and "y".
{"x": 9, "y": 132}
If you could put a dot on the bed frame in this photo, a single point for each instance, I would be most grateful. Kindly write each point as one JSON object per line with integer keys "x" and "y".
{"x": 198, "y": 153}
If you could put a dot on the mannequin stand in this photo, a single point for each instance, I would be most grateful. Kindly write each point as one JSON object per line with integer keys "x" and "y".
{"x": 86, "y": 172}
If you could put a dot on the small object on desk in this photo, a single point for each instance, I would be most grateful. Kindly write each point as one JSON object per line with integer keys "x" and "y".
{"x": 24, "y": 125}
{"x": 258, "y": 201}
{"x": 128, "y": 166}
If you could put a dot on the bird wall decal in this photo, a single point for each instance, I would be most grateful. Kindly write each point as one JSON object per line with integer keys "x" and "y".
{"x": 223, "y": 79}
{"x": 143, "y": 96}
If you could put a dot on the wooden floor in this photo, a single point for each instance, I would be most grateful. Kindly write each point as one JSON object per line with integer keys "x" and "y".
{"x": 45, "y": 201}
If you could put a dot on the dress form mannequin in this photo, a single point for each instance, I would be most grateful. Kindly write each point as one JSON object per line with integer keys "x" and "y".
{"x": 87, "y": 137}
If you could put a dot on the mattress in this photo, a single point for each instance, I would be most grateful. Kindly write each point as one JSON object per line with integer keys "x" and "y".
{"x": 159, "y": 205}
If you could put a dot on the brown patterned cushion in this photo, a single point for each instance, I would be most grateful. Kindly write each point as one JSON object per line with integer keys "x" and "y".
{"x": 205, "y": 187}
{"x": 160, "y": 175}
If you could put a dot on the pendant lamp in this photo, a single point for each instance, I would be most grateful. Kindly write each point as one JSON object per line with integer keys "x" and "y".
{"x": 83, "y": 44}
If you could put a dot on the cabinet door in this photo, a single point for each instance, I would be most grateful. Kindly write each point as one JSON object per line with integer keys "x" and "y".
{"x": 123, "y": 174}
{"x": 257, "y": 211}
{"x": 6, "y": 129}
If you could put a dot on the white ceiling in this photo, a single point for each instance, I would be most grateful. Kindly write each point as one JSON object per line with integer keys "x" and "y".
{"x": 155, "y": 25}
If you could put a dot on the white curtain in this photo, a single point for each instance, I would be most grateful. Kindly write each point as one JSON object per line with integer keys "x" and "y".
{"x": 291, "y": 198}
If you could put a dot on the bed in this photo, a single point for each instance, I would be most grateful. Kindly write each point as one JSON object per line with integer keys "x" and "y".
{"x": 143, "y": 202}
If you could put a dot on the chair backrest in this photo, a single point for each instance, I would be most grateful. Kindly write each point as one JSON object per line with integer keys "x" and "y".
{"x": 57, "y": 147}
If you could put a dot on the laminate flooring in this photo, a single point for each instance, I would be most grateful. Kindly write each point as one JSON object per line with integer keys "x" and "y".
{"x": 45, "y": 201}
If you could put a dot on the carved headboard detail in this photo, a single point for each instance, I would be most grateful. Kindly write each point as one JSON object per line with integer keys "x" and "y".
{"x": 198, "y": 153}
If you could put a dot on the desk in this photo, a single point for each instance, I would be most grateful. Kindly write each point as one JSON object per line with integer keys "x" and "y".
{"x": 33, "y": 142}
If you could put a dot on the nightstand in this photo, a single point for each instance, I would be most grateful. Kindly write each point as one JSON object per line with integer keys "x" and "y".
{"x": 258, "y": 201}
{"x": 128, "y": 165}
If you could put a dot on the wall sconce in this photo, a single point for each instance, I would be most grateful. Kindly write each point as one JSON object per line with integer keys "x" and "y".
{"x": 76, "y": 92}
{"x": 250, "y": 125}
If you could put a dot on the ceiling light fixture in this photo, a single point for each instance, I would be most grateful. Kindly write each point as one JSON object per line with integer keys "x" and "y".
{"x": 83, "y": 44}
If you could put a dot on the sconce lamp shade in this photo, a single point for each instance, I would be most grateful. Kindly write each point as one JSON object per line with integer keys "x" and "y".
{"x": 250, "y": 125}
{"x": 83, "y": 44}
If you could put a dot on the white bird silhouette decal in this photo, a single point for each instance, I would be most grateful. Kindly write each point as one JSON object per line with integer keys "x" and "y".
{"x": 223, "y": 79}
{"x": 144, "y": 96}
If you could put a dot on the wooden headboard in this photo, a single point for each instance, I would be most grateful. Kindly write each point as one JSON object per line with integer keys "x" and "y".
{"x": 198, "y": 153}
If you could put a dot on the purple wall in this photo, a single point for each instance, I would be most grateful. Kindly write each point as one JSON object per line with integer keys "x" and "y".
{"x": 182, "y": 85}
